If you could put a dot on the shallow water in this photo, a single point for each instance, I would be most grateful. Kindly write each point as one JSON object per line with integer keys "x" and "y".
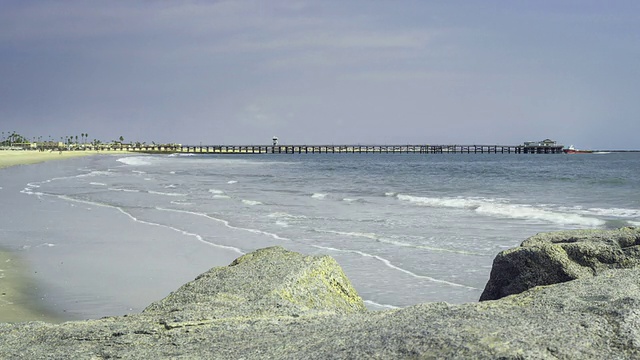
{"x": 108, "y": 236}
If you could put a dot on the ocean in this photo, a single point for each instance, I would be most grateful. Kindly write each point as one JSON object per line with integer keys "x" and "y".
{"x": 107, "y": 235}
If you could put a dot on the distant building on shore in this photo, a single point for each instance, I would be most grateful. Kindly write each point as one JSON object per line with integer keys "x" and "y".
{"x": 543, "y": 143}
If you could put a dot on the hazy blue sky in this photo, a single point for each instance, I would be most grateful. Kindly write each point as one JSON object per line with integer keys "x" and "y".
{"x": 312, "y": 72}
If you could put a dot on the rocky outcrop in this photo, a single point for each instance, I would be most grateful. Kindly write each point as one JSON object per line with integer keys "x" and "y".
{"x": 282, "y": 305}
{"x": 552, "y": 258}
{"x": 271, "y": 282}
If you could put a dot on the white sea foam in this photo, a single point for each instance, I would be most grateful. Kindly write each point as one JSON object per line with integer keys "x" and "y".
{"x": 172, "y": 172}
{"x": 97, "y": 184}
{"x": 440, "y": 202}
{"x": 526, "y": 213}
{"x": 183, "y": 203}
{"x": 95, "y": 173}
{"x": 232, "y": 181}
{"x": 138, "y": 172}
{"x": 124, "y": 190}
{"x": 319, "y": 196}
{"x": 376, "y": 305}
{"x": 285, "y": 215}
{"x": 384, "y": 240}
{"x": 218, "y": 194}
{"x": 184, "y": 232}
{"x": 349, "y": 233}
{"x": 390, "y": 194}
{"x": 392, "y": 266}
{"x": 615, "y": 212}
{"x": 165, "y": 193}
{"x": 28, "y": 192}
{"x": 135, "y": 160}
{"x": 251, "y": 202}
{"x": 430, "y": 248}
{"x": 349, "y": 199}
{"x": 634, "y": 223}
{"x": 46, "y": 245}
{"x": 170, "y": 186}
{"x": 226, "y": 223}
{"x": 494, "y": 207}
{"x": 282, "y": 223}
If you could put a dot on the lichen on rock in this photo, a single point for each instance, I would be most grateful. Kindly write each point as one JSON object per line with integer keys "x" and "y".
{"x": 266, "y": 282}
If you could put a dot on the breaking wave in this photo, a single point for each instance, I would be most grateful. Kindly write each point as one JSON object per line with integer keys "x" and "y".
{"x": 135, "y": 160}
{"x": 496, "y": 208}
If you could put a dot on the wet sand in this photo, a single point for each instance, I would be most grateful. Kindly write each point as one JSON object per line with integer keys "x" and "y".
{"x": 17, "y": 304}
{"x": 69, "y": 268}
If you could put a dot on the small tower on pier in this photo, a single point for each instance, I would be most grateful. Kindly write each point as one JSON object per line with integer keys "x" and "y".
{"x": 275, "y": 141}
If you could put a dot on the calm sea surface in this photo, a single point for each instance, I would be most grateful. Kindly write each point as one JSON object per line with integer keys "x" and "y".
{"x": 405, "y": 228}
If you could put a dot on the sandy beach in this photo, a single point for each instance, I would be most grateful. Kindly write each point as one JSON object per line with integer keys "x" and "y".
{"x": 12, "y": 158}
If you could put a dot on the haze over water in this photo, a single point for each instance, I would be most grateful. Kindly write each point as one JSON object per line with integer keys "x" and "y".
{"x": 108, "y": 235}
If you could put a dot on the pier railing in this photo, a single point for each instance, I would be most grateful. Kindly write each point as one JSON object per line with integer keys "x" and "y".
{"x": 349, "y": 149}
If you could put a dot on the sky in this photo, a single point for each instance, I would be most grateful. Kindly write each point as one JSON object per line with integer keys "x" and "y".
{"x": 323, "y": 72}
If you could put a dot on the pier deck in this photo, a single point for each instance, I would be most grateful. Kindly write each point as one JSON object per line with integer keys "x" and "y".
{"x": 350, "y": 149}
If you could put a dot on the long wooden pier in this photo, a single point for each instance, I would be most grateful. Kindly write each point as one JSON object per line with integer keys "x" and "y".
{"x": 348, "y": 149}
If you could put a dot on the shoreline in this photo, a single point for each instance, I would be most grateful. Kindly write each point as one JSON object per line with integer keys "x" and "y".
{"x": 18, "y": 302}
{"x": 25, "y": 157}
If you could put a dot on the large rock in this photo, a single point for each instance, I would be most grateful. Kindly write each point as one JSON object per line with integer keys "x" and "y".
{"x": 263, "y": 306}
{"x": 552, "y": 258}
{"x": 265, "y": 283}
